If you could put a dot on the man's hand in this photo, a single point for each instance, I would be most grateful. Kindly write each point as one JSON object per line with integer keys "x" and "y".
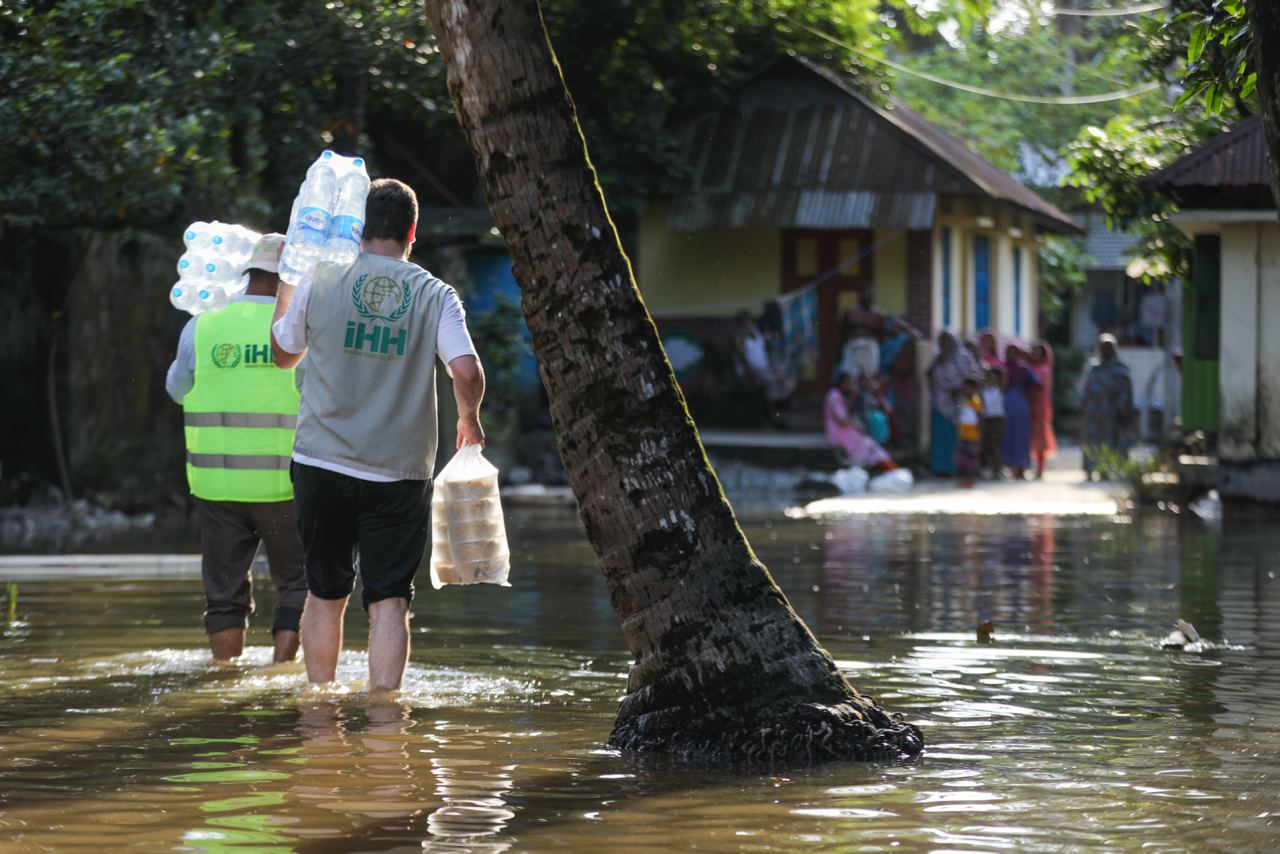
{"x": 469, "y": 432}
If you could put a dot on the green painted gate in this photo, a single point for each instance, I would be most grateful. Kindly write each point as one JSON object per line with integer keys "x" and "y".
{"x": 1201, "y": 329}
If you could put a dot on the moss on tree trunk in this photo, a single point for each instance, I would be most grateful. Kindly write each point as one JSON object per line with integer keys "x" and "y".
{"x": 724, "y": 669}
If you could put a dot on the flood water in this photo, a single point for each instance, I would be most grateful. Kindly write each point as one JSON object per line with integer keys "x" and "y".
{"x": 1074, "y": 730}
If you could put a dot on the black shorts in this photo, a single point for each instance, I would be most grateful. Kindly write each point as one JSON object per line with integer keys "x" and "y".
{"x": 340, "y": 516}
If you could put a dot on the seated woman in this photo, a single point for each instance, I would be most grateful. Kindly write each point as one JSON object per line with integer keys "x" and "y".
{"x": 844, "y": 432}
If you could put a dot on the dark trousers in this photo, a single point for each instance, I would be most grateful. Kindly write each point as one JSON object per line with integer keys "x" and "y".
{"x": 992, "y": 437}
{"x": 229, "y": 535}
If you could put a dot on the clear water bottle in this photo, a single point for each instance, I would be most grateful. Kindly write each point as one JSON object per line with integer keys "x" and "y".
{"x": 211, "y": 299}
{"x": 224, "y": 240}
{"x": 315, "y": 209}
{"x": 218, "y": 272}
{"x": 197, "y": 235}
{"x": 342, "y": 242}
{"x": 191, "y": 266}
{"x": 183, "y": 296}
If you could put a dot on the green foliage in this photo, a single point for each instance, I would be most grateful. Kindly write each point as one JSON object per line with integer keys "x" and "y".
{"x": 1068, "y": 364}
{"x": 1063, "y": 263}
{"x": 1212, "y": 42}
{"x": 1107, "y": 164}
{"x": 1118, "y": 466}
{"x": 1027, "y": 140}
{"x": 497, "y": 335}
{"x": 127, "y": 113}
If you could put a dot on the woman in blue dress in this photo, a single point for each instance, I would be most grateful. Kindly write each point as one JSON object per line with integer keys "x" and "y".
{"x": 1020, "y": 383}
{"x": 950, "y": 367}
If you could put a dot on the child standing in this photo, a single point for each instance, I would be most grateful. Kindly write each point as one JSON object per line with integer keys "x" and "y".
{"x": 968, "y": 459}
{"x": 992, "y": 420}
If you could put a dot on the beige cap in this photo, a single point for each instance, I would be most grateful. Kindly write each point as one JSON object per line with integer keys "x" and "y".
{"x": 266, "y": 254}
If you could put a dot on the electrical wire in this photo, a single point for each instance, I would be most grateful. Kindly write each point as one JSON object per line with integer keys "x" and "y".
{"x": 1119, "y": 11}
{"x": 1061, "y": 100}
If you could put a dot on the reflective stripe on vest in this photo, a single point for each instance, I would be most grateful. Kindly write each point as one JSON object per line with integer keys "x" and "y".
{"x": 239, "y": 419}
{"x": 241, "y": 412}
{"x": 269, "y": 462}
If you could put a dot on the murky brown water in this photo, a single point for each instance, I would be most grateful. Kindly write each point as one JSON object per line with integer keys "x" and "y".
{"x": 1074, "y": 731}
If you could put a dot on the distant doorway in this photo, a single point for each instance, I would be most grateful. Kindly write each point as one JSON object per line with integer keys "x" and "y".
{"x": 841, "y": 261}
{"x": 981, "y": 281}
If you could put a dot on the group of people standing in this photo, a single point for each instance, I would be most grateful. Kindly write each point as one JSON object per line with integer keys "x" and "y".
{"x": 990, "y": 410}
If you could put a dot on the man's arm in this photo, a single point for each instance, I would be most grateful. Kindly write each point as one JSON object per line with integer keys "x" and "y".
{"x": 182, "y": 373}
{"x": 468, "y": 391}
{"x": 289, "y": 324}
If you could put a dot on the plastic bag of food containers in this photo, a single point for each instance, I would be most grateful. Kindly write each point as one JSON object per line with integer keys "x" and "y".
{"x": 469, "y": 535}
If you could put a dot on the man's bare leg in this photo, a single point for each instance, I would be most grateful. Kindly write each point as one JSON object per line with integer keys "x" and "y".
{"x": 286, "y": 646}
{"x": 322, "y": 636}
{"x": 388, "y": 643}
{"x": 227, "y": 644}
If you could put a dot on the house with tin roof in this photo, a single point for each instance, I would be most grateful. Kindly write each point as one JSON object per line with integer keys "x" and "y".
{"x": 1231, "y": 306}
{"x": 801, "y": 181}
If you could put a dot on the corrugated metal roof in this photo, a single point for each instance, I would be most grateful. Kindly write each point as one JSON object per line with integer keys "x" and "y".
{"x": 1236, "y": 158}
{"x": 1110, "y": 250}
{"x": 798, "y": 146}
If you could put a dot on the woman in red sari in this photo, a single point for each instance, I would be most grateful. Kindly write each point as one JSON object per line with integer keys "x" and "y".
{"x": 1043, "y": 443}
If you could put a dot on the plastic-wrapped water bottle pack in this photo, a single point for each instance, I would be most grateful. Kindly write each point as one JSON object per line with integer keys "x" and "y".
{"x": 209, "y": 270}
{"x": 327, "y": 220}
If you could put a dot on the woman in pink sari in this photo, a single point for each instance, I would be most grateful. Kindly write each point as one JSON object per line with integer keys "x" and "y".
{"x": 844, "y": 432}
{"x": 1043, "y": 442}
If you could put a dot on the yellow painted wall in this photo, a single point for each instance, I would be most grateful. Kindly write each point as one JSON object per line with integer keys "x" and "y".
{"x": 964, "y": 225}
{"x": 711, "y": 273}
{"x": 889, "y": 266}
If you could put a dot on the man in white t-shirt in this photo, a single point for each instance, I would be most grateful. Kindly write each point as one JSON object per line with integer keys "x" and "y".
{"x": 364, "y": 451}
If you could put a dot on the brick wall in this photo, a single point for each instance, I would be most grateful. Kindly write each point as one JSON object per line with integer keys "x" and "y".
{"x": 920, "y": 281}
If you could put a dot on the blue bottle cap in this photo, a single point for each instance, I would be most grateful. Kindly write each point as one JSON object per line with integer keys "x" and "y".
{"x": 190, "y": 235}
{"x": 357, "y": 162}
{"x": 204, "y": 295}
{"x": 177, "y": 292}
{"x": 210, "y": 267}
{"x": 217, "y": 239}
{"x": 184, "y": 264}
{"x": 327, "y": 154}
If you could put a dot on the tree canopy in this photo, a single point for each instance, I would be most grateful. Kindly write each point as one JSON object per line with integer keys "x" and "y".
{"x": 145, "y": 112}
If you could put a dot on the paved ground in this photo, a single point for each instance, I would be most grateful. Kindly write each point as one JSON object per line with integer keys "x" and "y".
{"x": 1062, "y": 492}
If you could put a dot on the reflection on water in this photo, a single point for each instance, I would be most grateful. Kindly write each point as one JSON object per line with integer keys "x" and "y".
{"x": 1073, "y": 730}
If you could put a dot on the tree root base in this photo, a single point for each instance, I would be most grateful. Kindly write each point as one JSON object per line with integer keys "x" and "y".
{"x": 799, "y": 735}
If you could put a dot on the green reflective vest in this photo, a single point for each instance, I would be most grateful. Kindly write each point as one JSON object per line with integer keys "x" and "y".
{"x": 240, "y": 415}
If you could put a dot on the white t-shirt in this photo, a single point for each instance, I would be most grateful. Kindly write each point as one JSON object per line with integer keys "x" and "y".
{"x": 755, "y": 351}
{"x": 992, "y": 402}
{"x": 452, "y": 341}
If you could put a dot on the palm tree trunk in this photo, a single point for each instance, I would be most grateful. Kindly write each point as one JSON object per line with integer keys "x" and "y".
{"x": 724, "y": 669}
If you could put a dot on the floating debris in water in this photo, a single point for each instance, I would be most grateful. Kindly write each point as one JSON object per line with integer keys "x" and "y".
{"x": 1183, "y": 635}
{"x": 985, "y": 632}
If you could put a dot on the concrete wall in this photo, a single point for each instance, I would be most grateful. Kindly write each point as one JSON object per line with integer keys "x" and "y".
{"x": 1249, "y": 422}
{"x": 1269, "y": 341}
{"x": 707, "y": 273}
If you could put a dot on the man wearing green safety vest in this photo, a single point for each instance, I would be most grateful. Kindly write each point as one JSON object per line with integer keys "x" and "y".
{"x": 239, "y": 415}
